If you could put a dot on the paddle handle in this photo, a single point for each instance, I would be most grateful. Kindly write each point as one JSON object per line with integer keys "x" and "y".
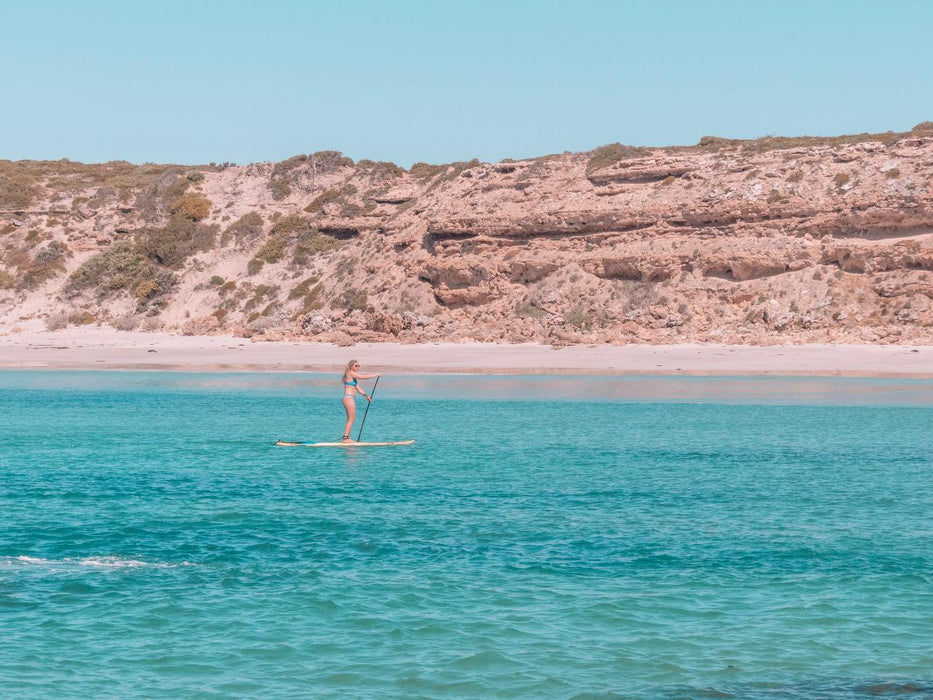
{"x": 368, "y": 404}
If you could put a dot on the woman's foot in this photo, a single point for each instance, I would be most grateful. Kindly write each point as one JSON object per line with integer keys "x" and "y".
{"x": 346, "y": 438}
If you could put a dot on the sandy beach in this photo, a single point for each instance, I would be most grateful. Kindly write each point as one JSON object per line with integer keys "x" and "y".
{"x": 100, "y": 348}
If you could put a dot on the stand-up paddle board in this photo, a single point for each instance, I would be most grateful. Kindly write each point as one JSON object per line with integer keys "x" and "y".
{"x": 286, "y": 443}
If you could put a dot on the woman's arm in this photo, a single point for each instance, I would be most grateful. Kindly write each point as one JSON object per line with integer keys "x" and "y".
{"x": 365, "y": 376}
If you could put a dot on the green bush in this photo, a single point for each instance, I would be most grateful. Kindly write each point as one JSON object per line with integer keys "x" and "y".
{"x": 115, "y": 268}
{"x": 216, "y": 280}
{"x": 175, "y": 242}
{"x": 123, "y": 268}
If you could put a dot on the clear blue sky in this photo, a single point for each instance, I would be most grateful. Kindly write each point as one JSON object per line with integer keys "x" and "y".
{"x": 199, "y": 81}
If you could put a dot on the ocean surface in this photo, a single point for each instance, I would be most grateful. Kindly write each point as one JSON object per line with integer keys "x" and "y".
{"x": 546, "y": 537}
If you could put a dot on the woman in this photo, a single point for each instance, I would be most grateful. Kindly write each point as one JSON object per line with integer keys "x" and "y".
{"x": 351, "y": 375}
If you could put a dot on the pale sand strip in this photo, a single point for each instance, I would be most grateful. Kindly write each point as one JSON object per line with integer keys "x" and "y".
{"x": 99, "y": 348}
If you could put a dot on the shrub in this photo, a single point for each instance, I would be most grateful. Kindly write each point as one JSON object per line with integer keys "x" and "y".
{"x": 426, "y": 171}
{"x": 146, "y": 288}
{"x": 355, "y": 299}
{"x": 82, "y": 318}
{"x": 191, "y": 206}
{"x": 612, "y": 153}
{"x": 280, "y": 188}
{"x": 175, "y": 242}
{"x": 292, "y": 225}
{"x": 923, "y": 127}
{"x": 115, "y": 268}
{"x": 529, "y": 311}
{"x": 318, "y": 203}
{"x": 126, "y": 322}
{"x": 274, "y": 248}
{"x": 327, "y": 161}
{"x": 795, "y": 176}
{"x": 47, "y": 262}
{"x": 215, "y": 280}
{"x": 288, "y": 165}
{"x": 17, "y": 189}
{"x": 261, "y": 292}
{"x": 840, "y": 179}
{"x": 310, "y": 295}
{"x": 245, "y": 228}
{"x": 151, "y": 199}
{"x": 892, "y": 173}
{"x": 774, "y": 196}
{"x": 579, "y": 318}
{"x": 310, "y": 245}
{"x": 194, "y": 176}
{"x": 7, "y": 280}
{"x": 380, "y": 170}
{"x": 57, "y": 320}
{"x": 254, "y": 266}
{"x": 155, "y": 284}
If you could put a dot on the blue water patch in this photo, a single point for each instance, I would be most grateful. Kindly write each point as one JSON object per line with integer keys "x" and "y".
{"x": 571, "y": 537}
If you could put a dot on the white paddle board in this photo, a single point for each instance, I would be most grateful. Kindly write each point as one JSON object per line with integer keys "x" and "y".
{"x": 286, "y": 443}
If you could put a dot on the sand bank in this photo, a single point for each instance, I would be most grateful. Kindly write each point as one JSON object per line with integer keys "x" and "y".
{"x": 100, "y": 348}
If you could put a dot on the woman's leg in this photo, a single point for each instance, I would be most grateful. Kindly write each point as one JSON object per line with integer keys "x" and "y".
{"x": 349, "y": 405}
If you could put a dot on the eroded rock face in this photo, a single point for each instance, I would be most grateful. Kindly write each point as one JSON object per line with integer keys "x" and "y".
{"x": 729, "y": 243}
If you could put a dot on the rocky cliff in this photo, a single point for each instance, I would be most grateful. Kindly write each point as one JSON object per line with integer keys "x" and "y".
{"x": 770, "y": 241}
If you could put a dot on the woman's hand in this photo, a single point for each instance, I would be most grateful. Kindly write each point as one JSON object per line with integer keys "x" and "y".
{"x": 368, "y": 398}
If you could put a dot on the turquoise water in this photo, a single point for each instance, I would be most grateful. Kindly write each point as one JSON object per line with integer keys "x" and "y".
{"x": 566, "y": 537}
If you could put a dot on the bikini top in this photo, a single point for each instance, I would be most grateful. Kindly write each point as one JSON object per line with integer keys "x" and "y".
{"x": 353, "y": 383}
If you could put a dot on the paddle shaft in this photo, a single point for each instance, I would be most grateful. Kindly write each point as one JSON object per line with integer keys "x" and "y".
{"x": 368, "y": 404}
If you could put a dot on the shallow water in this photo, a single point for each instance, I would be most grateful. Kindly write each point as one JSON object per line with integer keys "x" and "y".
{"x": 546, "y": 537}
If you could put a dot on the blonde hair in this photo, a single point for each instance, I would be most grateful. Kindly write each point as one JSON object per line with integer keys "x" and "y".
{"x": 350, "y": 364}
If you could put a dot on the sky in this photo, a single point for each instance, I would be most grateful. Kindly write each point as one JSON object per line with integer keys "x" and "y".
{"x": 201, "y": 81}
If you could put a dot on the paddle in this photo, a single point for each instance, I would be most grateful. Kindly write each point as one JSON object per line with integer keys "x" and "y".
{"x": 368, "y": 404}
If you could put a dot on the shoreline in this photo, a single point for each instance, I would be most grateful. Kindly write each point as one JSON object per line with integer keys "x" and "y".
{"x": 104, "y": 348}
